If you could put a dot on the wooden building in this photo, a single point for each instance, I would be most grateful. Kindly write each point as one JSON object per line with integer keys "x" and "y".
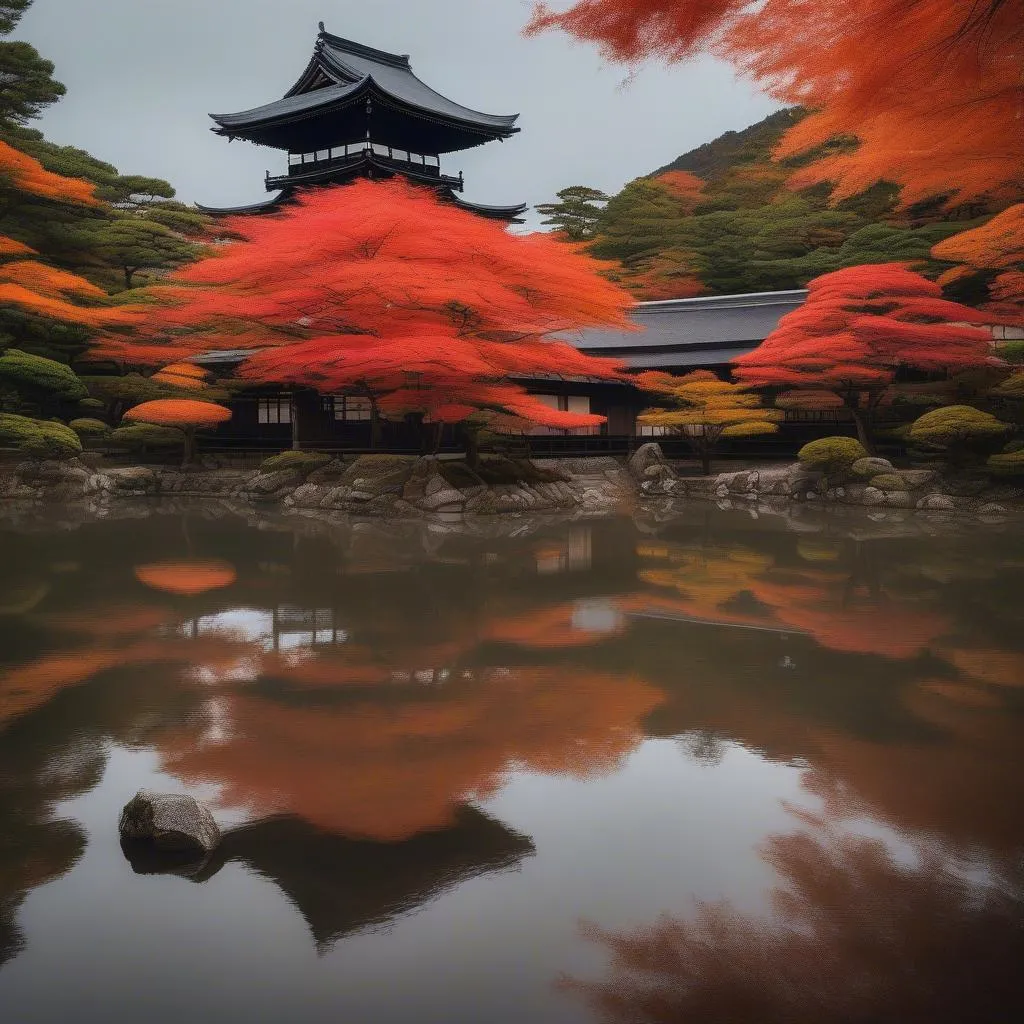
{"x": 677, "y": 336}
{"x": 357, "y": 112}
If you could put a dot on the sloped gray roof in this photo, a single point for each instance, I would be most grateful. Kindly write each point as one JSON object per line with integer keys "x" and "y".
{"x": 352, "y": 67}
{"x": 706, "y": 331}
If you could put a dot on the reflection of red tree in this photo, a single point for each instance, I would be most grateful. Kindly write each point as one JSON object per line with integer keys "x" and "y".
{"x": 187, "y": 578}
{"x": 854, "y": 937}
{"x": 395, "y": 764}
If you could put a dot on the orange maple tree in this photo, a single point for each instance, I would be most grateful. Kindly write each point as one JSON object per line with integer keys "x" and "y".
{"x": 930, "y": 89}
{"x": 185, "y": 414}
{"x": 997, "y": 249}
{"x": 25, "y": 282}
{"x": 380, "y": 289}
{"x": 856, "y": 329}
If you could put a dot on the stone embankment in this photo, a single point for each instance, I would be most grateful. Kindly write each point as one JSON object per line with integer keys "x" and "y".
{"x": 879, "y": 485}
{"x": 372, "y": 486}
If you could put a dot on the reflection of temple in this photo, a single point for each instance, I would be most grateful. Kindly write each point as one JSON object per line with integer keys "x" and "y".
{"x": 342, "y": 886}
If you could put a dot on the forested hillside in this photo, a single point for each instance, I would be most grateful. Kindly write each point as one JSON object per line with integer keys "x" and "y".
{"x": 721, "y": 219}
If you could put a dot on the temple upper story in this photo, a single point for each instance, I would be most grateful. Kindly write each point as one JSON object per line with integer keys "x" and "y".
{"x": 360, "y": 112}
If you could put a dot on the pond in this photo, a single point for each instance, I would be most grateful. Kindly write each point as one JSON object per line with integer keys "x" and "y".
{"x": 692, "y": 766}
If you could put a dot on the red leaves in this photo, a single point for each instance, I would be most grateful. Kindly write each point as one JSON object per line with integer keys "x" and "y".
{"x": 380, "y": 288}
{"x": 859, "y": 325}
{"x": 179, "y": 412}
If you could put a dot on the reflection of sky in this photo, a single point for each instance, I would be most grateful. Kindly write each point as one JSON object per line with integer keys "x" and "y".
{"x": 249, "y": 624}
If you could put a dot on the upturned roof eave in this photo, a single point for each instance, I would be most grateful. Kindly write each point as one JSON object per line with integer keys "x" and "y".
{"x": 225, "y": 125}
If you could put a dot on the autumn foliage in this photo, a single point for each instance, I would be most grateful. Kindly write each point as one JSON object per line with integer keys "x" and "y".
{"x": 856, "y": 329}
{"x": 28, "y": 284}
{"x": 997, "y": 247}
{"x": 706, "y": 410}
{"x": 187, "y": 415}
{"x": 381, "y": 289}
{"x": 930, "y": 89}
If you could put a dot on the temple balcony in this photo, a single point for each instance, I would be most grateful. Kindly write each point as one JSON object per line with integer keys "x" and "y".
{"x": 322, "y": 165}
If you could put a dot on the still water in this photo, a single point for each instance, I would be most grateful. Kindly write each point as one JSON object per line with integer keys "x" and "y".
{"x": 695, "y": 767}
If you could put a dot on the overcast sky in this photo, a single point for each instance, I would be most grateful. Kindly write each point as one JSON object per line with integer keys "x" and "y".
{"x": 142, "y": 75}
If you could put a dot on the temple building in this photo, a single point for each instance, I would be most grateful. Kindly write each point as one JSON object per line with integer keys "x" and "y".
{"x": 357, "y": 112}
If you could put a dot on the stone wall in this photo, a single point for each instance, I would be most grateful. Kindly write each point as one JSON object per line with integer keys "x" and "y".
{"x": 914, "y": 489}
{"x": 372, "y": 486}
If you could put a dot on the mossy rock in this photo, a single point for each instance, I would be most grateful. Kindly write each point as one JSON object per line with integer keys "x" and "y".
{"x": 295, "y": 460}
{"x": 372, "y": 467}
{"x": 872, "y": 467}
{"x": 495, "y": 471}
{"x": 460, "y": 476}
{"x": 832, "y": 455}
{"x": 39, "y": 439}
{"x": 89, "y": 428}
{"x": 889, "y": 482}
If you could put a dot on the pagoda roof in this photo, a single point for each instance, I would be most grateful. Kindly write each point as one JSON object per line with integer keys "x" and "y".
{"x": 341, "y": 76}
{"x": 512, "y": 214}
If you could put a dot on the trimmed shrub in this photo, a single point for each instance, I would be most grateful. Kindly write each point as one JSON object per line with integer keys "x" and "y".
{"x": 1009, "y": 462}
{"x": 40, "y": 378}
{"x": 86, "y": 428}
{"x": 40, "y": 439}
{"x": 832, "y": 455}
{"x": 91, "y": 405}
{"x": 298, "y": 461}
{"x": 141, "y": 437}
{"x": 960, "y": 431}
{"x": 889, "y": 482}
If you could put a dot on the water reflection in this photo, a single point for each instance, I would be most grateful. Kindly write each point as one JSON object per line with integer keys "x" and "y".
{"x": 857, "y": 933}
{"x": 358, "y": 694}
{"x": 315, "y": 869}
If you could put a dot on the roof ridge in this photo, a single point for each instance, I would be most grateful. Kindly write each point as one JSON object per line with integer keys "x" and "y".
{"x": 395, "y": 60}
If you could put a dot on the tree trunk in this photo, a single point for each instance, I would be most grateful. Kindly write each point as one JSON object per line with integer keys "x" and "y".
{"x": 472, "y": 435}
{"x": 296, "y": 443}
{"x": 190, "y": 446}
{"x": 129, "y": 276}
{"x": 374, "y": 424}
{"x": 860, "y": 419}
{"x": 705, "y": 460}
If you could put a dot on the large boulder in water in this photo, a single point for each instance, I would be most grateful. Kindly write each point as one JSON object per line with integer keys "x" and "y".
{"x": 170, "y": 822}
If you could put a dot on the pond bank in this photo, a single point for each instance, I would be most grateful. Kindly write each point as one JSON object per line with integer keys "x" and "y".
{"x": 924, "y": 490}
{"x": 380, "y": 485}
{"x": 383, "y": 486}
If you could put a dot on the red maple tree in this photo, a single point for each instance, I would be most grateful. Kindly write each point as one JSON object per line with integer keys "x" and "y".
{"x": 382, "y": 290}
{"x": 844, "y": 346}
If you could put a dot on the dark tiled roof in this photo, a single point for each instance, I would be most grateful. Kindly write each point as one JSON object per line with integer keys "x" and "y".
{"x": 353, "y": 68}
{"x": 263, "y": 206}
{"x": 707, "y": 331}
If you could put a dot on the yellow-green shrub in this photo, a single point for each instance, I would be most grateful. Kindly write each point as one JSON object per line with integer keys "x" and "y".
{"x": 40, "y": 439}
{"x": 832, "y": 455}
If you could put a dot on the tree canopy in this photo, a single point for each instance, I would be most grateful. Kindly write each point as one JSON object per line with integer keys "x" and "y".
{"x": 929, "y": 89}
{"x": 381, "y": 289}
{"x": 858, "y": 327}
